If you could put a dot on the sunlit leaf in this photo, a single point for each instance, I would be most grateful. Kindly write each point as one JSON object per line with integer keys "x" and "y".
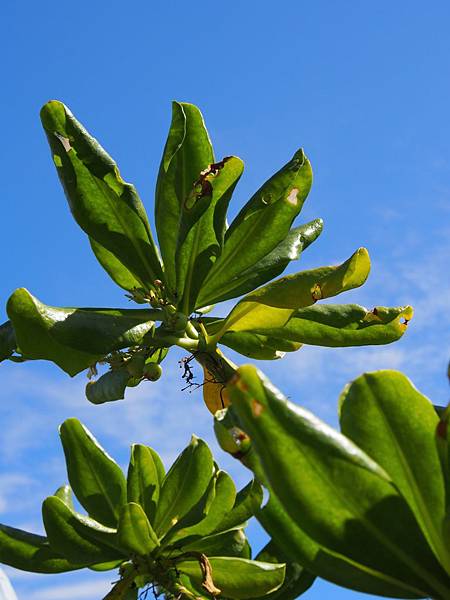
{"x": 187, "y": 153}
{"x": 340, "y": 325}
{"x": 387, "y": 417}
{"x": 366, "y": 517}
{"x": 74, "y": 338}
{"x": 271, "y": 209}
{"x": 106, "y": 207}
{"x": 97, "y": 481}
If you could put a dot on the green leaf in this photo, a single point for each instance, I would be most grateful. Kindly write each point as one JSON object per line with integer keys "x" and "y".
{"x": 107, "y": 208}
{"x": 30, "y": 552}
{"x": 64, "y": 493}
{"x": 109, "y": 387}
{"x": 160, "y": 469}
{"x": 395, "y": 424}
{"x": 95, "y": 478}
{"x": 219, "y": 504}
{"x": 199, "y": 242}
{"x": 272, "y": 305}
{"x": 71, "y": 536}
{"x": 299, "y": 547}
{"x": 143, "y": 480}
{"x": 272, "y": 209}
{"x": 74, "y": 338}
{"x": 134, "y": 530}
{"x": 272, "y": 264}
{"x": 366, "y": 518}
{"x": 258, "y": 345}
{"x": 236, "y": 577}
{"x": 8, "y": 342}
{"x": 297, "y": 579}
{"x": 339, "y": 325}
{"x": 114, "y": 267}
{"x": 187, "y": 153}
{"x": 248, "y": 500}
{"x": 228, "y": 543}
{"x": 184, "y": 485}
{"x": 306, "y": 287}
{"x": 106, "y": 566}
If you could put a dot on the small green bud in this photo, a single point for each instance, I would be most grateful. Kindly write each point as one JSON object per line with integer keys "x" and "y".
{"x": 178, "y": 322}
{"x": 135, "y": 365}
{"x": 152, "y": 372}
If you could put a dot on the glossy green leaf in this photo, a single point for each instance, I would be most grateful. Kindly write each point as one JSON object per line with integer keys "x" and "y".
{"x": 258, "y": 345}
{"x": 74, "y": 338}
{"x": 143, "y": 480}
{"x": 199, "y": 243}
{"x": 366, "y": 518}
{"x": 247, "y": 502}
{"x": 30, "y": 552}
{"x": 237, "y": 577}
{"x": 395, "y": 424}
{"x": 114, "y": 267}
{"x": 295, "y": 542}
{"x": 218, "y": 506}
{"x": 271, "y": 306}
{"x": 297, "y": 579}
{"x": 97, "y": 481}
{"x": 107, "y": 208}
{"x": 106, "y": 566}
{"x": 67, "y": 534}
{"x": 8, "y": 342}
{"x": 177, "y": 534}
{"x": 184, "y": 485}
{"x": 340, "y": 325}
{"x": 134, "y": 530}
{"x": 272, "y": 209}
{"x": 87, "y": 528}
{"x": 109, "y": 387}
{"x": 272, "y": 264}
{"x": 299, "y": 547}
{"x": 187, "y": 153}
{"x": 306, "y": 287}
{"x": 228, "y": 543}
{"x": 160, "y": 469}
{"x": 64, "y": 493}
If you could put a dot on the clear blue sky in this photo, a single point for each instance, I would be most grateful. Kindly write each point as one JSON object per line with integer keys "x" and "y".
{"x": 364, "y": 87}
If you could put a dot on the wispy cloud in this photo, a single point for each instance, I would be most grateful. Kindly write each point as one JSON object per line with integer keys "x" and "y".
{"x": 86, "y": 590}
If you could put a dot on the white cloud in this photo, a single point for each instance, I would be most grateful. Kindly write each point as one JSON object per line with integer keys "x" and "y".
{"x": 86, "y": 590}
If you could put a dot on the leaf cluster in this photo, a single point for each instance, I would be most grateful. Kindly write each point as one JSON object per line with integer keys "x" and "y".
{"x": 181, "y": 532}
{"x": 367, "y": 508}
{"x": 200, "y": 261}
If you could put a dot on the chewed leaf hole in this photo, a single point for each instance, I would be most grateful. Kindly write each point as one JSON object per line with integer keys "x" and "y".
{"x": 64, "y": 141}
{"x": 57, "y": 160}
{"x": 316, "y": 292}
{"x": 292, "y": 197}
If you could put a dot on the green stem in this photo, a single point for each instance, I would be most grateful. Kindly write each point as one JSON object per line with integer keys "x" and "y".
{"x": 191, "y": 331}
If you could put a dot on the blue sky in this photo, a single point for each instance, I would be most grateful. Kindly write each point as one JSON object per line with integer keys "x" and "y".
{"x": 363, "y": 87}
